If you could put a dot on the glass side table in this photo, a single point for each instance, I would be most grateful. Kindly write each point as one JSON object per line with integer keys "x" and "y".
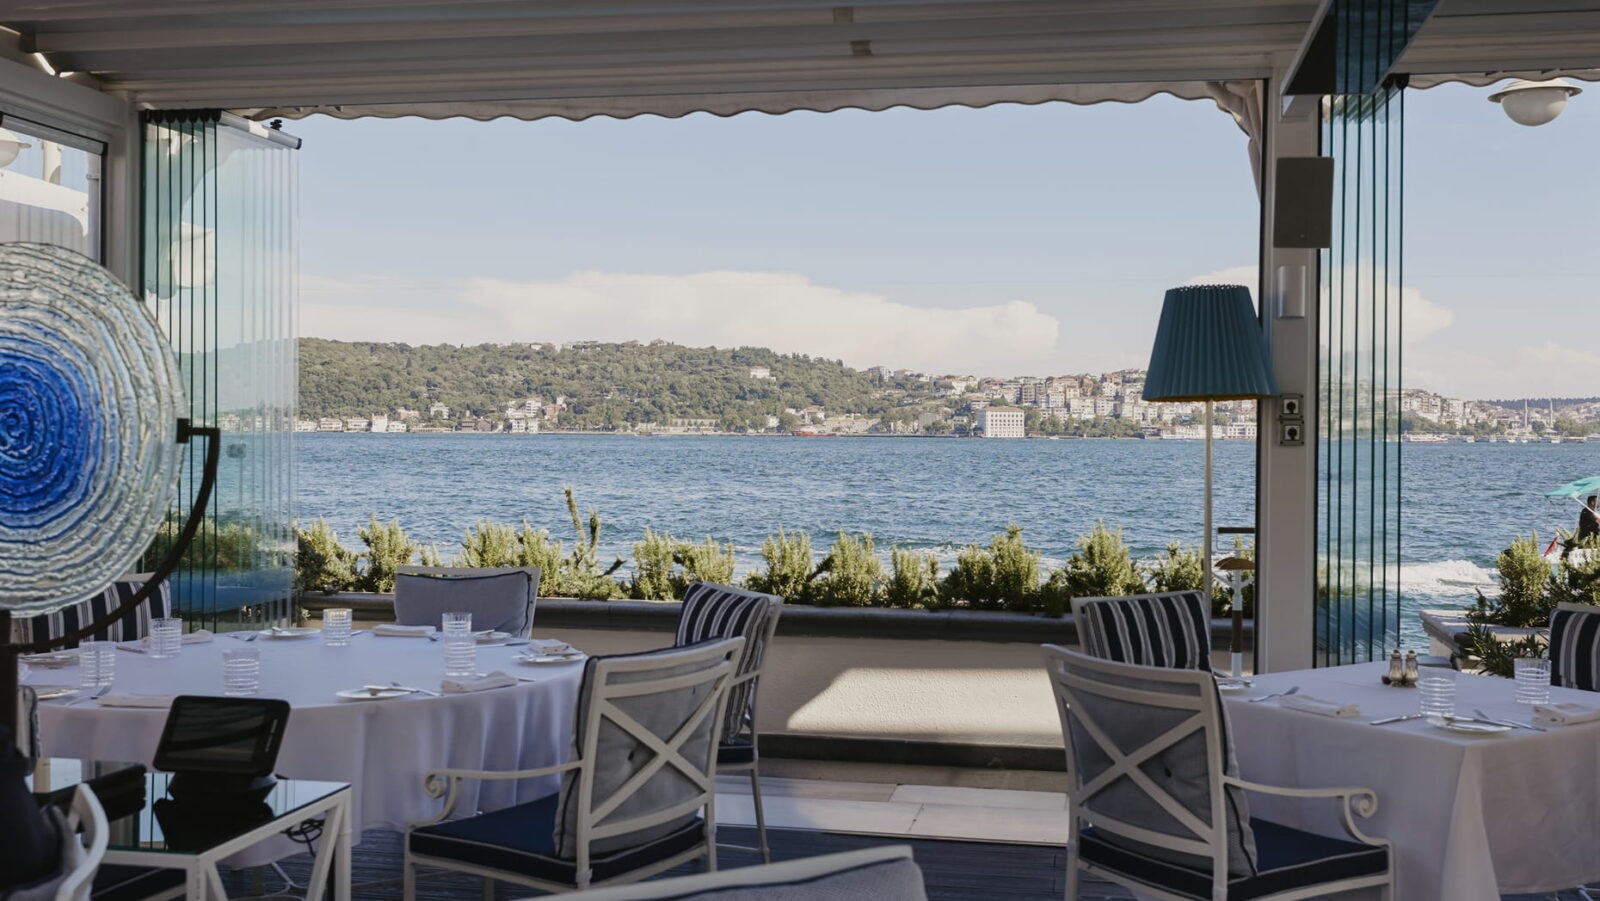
{"x": 151, "y": 829}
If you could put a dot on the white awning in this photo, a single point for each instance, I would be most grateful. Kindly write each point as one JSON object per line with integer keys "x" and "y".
{"x": 581, "y": 58}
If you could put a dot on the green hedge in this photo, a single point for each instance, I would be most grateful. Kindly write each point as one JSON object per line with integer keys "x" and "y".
{"x": 1005, "y": 574}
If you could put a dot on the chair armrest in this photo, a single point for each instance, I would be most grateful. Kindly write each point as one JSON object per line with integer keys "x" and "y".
{"x": 1358, "y": 802}
{"x": 447, "y": 783}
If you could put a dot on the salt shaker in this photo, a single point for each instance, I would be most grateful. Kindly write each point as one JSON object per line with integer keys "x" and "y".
{"x": 1410, "y": 677}
{"x": 1397, "y": 673}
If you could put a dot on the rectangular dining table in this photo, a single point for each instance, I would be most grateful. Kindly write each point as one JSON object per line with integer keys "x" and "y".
{"x": 1471, "y": 816}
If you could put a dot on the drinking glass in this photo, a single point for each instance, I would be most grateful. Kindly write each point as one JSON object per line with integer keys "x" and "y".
{"x": 241, "y": 672}
{"x": 1533, "y": 680}
{"x": 460, "y": 647}
{"x": 97, "y": 663}
{"x": 1437, "y": 688}
{"x": 336, "y": 627}
{"x": 166, "y": 636}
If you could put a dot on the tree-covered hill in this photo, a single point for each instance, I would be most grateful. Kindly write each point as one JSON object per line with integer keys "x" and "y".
{"x": 605, "y": 385}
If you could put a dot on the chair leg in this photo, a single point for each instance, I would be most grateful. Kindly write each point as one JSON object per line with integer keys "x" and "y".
{"x": 1072, "y": 875}
{"x": 488, "y": 889}
{"x": 761, "y": 815}
{"x": 408, "y": 878}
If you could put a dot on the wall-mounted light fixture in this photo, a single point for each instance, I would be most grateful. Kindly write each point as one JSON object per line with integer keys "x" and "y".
{"x": 1290, "y": 288}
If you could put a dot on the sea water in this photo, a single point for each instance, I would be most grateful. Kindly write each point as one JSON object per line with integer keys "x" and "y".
{"x": 1462, "y": 503}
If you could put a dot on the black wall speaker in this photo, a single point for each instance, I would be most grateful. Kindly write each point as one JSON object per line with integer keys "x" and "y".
{"x": 1302, "y": 212}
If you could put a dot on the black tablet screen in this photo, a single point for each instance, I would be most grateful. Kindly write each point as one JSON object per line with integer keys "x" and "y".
{"x": 222, "y": 735}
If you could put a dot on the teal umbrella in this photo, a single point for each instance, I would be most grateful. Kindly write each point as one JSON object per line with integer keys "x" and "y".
{"x": 1582, "y": 488}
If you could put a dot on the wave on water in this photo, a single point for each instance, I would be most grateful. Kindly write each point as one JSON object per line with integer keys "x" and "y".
{"x": 1447, "y": 579}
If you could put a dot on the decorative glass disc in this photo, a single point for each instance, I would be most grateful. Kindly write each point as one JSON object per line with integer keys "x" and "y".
{"x": 89, "y": 400}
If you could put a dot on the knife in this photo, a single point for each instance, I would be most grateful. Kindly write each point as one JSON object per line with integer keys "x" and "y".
{"x": 1396, "y": 719}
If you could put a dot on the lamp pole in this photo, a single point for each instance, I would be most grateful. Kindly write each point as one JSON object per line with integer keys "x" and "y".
{"x": 1205, "y": 545}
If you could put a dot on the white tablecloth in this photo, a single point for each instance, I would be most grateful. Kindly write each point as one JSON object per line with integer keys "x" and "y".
{"x": 1471, "y": 817}
{"x": 382, "y": 748}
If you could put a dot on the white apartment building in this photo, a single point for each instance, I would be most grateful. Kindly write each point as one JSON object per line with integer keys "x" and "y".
{"x": 1001, "y": 422}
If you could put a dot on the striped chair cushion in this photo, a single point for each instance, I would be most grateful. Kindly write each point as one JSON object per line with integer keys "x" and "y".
{"x": 1166, "y": 630}
{"x": 710, "y": 612}
{"x": 131, "y": 626}
{"x": 1575, "y": 647}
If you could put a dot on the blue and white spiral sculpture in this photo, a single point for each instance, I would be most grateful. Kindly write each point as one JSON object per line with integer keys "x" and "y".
{"x": 89, "y": 400}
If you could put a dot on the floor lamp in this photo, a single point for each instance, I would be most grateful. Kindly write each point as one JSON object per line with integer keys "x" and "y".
{"x": 1209, "y": 347}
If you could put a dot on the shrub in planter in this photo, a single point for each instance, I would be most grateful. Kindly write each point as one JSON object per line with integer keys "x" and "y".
{"x": 913, "y": 579}
{"x": 321, "y": 563}
{"x": 788, "y": 567}
{"x": 1102, "y": 566}
{"x": 653, "y": 567}
{"x": 707, "y": 562}
{"x": 534, "y": 548}
{"x": 849, "y": 575}
{"x": 1179, "y": 570}
{"x": 488, "y": 544}
{"x": 1003, "y": 576}
{"x": 388, "y": 547}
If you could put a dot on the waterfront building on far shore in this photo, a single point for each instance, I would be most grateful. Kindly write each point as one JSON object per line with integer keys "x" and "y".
{"x": 1001, "y": 422}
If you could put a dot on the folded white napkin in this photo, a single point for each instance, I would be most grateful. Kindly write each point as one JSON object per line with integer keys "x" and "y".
{"x": 51, "y": 659}
{"x": 395, "y": 630}
{"x": 1319, "y": 706}
{"x": 496, "y": 679}
{"x": 115, "y": 700}
{"x": 554, "y": 647}
{"x": 198, "y": 636}
{"x": 1565, "y": 714}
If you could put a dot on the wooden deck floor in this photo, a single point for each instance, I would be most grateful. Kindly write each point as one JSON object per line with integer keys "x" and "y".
{"x": 953, "y": 871}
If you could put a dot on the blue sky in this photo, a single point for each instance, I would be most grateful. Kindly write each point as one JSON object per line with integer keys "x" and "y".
{"x": 1005, "y": 240}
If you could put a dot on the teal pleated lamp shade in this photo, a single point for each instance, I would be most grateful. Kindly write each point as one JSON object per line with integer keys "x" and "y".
{"x": 1209, "y": 346}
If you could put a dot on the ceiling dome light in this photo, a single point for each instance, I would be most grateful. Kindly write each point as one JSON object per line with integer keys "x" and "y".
{"x": 10, "y": 147}
{"x": 1535, "y": 102}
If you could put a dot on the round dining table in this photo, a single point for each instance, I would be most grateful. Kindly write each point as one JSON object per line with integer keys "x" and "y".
{"x": 382, "y": 747}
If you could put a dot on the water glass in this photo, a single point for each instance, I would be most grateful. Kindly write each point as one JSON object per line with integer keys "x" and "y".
{"x": 1437, "y": 688}
{"x": 336, "y": 627}
{"x": 1533, "y": 680}
{"x": 166, "y": 636}
{"x": 97, "y": 663}
{"x": 460, "y": 646}
{"x": 241, "y": 672}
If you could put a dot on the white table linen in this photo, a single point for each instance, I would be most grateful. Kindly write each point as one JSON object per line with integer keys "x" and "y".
{"x": 383, "y": 748}
{"x": 1471, "y": 816}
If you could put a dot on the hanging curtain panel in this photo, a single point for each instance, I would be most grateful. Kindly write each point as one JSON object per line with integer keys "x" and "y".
{"x": 219, "y": 273}
{"x": 1358, "y": 598}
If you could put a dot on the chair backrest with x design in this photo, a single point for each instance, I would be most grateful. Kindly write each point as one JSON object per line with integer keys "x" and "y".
{"x": 1147, "y": 748}
{"x": 647, "y": 732}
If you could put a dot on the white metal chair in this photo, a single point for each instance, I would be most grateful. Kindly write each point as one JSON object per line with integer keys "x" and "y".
{"x": 1171, "y": 629}
{"x": 502, "y": 597}
{"x": 89, "y": 817}
{"x": 713, "y": 611}
{"x": 885, "y": 873}
{"x": 632, "y": 795}
{"x": 1155, "y": 802}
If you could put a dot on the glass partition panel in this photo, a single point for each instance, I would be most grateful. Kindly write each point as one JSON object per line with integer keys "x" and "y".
{"x": 219, "y": 272}
{"x": 1358, "y": 598}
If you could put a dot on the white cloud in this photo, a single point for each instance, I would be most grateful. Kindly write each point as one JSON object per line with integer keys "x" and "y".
{"x": 785, "y": 312}
{"x": 1420, "y": 317}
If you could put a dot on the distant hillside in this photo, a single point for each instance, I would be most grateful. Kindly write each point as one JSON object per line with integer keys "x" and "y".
{"x": 605, "y": 385}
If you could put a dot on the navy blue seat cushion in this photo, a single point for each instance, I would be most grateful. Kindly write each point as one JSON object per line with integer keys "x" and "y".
{"x": 733, "y": 753}
{"x": 1288, "y": 858}
{"x": 123, "y": 883}
{"x": 521, "y": 840}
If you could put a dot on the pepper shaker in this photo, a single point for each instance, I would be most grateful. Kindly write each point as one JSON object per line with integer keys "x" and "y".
{"x": 1397, "y": 673}
{"x": 1410, "y": 676}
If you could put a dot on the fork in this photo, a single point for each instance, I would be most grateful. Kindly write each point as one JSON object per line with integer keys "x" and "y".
{"x": 420, "y": 691}
{"x": 1279, "y": 694}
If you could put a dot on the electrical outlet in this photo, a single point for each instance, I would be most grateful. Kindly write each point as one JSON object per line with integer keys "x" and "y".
{"x": 1292, "y": 432}
{"x": 1291, "y": 405}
